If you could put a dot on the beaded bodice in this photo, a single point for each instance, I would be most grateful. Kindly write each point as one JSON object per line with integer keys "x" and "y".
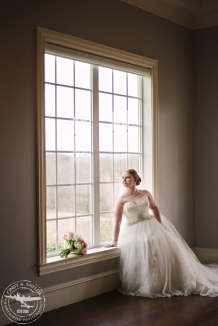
{"x": 135, "y": 213}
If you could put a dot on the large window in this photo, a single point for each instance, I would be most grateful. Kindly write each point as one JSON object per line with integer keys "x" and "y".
{"x": 96, "y": 118}
{"x": 70, "y": 94}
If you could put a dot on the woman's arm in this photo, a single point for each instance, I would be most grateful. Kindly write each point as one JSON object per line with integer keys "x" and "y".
{"x": 118, "y": 212}
{"x": 153, "y": 206}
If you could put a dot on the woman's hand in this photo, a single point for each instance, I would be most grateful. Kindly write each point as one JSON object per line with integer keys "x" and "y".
{"x": 111, "y": 244}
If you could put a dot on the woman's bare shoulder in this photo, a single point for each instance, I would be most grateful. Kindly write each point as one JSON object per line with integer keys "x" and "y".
{"x": 121, "y": 199}
{"x": 144, "y": 192}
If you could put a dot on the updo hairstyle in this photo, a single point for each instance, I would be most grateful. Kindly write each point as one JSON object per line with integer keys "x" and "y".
{"x": 135, "y": 175}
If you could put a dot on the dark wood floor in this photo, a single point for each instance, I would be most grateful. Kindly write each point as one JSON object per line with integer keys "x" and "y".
{"x": 115, "y": 309}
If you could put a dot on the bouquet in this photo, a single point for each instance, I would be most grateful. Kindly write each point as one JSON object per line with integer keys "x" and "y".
{"x": 74, "y": 244}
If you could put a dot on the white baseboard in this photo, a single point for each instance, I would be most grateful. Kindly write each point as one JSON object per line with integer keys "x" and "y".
{"x": 67, "y": 293}
{"x": 80, "y": 289}
{"x": 206, "y": 255}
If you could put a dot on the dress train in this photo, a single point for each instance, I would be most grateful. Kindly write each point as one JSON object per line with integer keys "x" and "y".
{"x": 155, "y": 261}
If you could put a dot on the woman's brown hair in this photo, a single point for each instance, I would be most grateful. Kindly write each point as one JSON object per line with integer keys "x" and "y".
{"x": 135, "y": 175}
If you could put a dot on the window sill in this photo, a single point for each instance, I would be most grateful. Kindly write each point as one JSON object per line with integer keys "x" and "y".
{"x": 94, "y": 255}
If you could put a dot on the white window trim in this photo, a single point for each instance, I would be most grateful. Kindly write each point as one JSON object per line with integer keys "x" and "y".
{"x": 54, "y": 264}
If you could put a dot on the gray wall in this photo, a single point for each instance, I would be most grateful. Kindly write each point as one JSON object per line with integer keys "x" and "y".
{"x": 118, "y": 25}
{"x": 206, "y": 137}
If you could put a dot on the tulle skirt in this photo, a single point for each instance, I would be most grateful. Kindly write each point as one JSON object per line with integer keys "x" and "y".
{"x": 155, "y": 261}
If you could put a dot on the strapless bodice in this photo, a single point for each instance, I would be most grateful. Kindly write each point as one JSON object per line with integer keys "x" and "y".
{"x": 135, "y": 213}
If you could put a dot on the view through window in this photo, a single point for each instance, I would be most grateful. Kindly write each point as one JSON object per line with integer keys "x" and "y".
{"x": 72, "y": 96}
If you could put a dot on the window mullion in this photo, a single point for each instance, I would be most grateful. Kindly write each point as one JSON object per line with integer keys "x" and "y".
{"x": 96, "y": 168}
{"x": 56, "y": 163}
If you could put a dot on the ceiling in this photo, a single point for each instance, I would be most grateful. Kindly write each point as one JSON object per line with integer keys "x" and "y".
{"x": 194, "y": 14}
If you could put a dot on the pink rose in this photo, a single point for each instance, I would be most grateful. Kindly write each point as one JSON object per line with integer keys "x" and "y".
{"x": 71, "y": 234}
{"x": 83, "y": 242}
{"x": 64, "y": 236}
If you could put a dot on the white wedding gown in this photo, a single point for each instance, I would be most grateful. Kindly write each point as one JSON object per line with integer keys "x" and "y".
{"x": 155, "y": 260}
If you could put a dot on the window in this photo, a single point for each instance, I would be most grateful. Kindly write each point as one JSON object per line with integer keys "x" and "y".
{"x": 96, "y": 117}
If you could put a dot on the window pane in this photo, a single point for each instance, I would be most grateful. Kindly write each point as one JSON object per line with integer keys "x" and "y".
{"x": 133, "y": 111}
{"x": 49, "y": 68}
{"x": 65, "y": 102}
{"x": 83, "y": 136}
{"x": 65, "y": 135}
{"x": 105, "y": 107}
{"x": 106, "y": 227}
{"x": 83, "y": 199}
{"x": 117, "y": 189}
{"x": 50, "y": 134}
{"x": 49, "y": 100}
{"x": 120, "y": 138}
{"x": 66, "y": 201}
{"x": 119, "y": 82}
{"x": 65, "y": 226}
{"x": 65, "y": 168}
{"x": 133, "y": 140}
{"x": 50, "y": 169}
{"x": 106, "y": 167}
{"x": 120, "y": 164}
{"x": 105, "y": 137}
{"x": 84, "y": 228}
{"x": 51, "y": 234}
{"x": 133, "y": 85}
{"x": 133, "y": 161}
{"x": 50, "y": 202}
{"x": 120, "y": 109}
{"x": 83, "y": 168}
{"x": 105, "y": 79}
{"x": 83, "y": 104}
{"x": 64, "y": 71}
{"x": 106, "y": 197}
{"x": 82, "y": 74}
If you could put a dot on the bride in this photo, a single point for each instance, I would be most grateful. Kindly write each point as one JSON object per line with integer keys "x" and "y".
{"x": 155, "y": 261}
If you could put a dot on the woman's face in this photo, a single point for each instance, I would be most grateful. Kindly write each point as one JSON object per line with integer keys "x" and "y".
{"x": 128, "y": 180}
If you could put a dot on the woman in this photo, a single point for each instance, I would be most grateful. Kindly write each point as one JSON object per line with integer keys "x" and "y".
{"x": 155, "y": 261}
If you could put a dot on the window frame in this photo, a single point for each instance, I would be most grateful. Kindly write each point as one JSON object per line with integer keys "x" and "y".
{"x": 44, "y": 36}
